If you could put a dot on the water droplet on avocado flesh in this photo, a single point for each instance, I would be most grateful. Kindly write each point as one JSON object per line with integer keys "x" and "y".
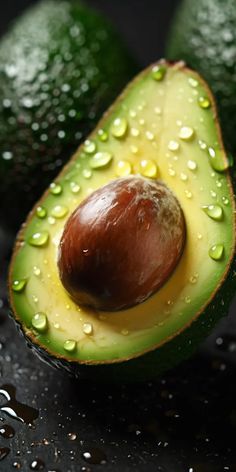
{"x": 165, "y": 157}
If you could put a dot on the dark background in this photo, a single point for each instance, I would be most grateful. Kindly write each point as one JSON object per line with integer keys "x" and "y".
{"x": 183, "y": 422}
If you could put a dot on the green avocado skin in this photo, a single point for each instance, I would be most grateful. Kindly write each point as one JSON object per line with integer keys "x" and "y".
{"x": 203, "y": 34}
{"x": 61, "y": 65}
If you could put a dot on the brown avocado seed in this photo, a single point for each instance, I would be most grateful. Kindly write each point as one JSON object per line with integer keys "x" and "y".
{"x": 121, "y": 244}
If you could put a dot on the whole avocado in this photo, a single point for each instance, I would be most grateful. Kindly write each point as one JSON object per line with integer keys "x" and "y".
{"x": 203, "y": 34}
{"x": 61, "y": 65}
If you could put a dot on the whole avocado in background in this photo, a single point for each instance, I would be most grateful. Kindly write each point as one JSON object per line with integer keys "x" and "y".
{"x": 203, "y": 34}
{"x": 61, "y": 65}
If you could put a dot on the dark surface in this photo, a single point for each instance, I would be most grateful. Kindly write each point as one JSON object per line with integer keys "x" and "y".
{"x": 185, "y": 421}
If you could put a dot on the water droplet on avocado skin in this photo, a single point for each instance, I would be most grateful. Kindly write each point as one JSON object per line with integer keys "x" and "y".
{"x": 75, "y": 188}
{"x": 87, "y": 328}
{"x": 90, "y": 146}
{"x": 40, "y": 322}
{"x": 70, "y": 345}
{"x": 19, "y": 285}
{"x": 55, "y": 189}
{"x": 123, "y": 168}
{"x": 148, "y": 168}
{"x": 158, "y": 72}
{"x": 41, "y": 212}
{"x": 39, "y": 239}
{"x": 59, "y": 211}
{"x": 186, "y": 133}
{"x": 216, "y": 252}
{"x": 119, "y": 127}
{"x": 100, "y": 160}
{"x": 102, "y": 135}
{"x": 204, "y": 102}
{"x": 215, "y": 212}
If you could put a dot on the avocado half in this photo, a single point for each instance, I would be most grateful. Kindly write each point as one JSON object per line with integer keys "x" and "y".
{"x": 203, "y": 34}
{"x": 61, "y": 66}
{"x": 164, "y": 126}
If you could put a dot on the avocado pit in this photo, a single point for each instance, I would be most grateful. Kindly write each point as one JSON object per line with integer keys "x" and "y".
{"x": 121, "y": 244}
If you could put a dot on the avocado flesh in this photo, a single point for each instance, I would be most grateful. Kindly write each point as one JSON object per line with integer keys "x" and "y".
{"x": 203, "y": 34}
{"x": 155, "y": 113}
{"x": 61, "y": 66}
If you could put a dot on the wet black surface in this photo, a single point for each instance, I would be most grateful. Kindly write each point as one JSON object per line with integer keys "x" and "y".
{"x": 183, "y": 422}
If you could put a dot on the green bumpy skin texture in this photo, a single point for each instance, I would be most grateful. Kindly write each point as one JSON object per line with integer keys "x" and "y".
{"x": 61, "y": 65}
{"x": 203, "y": 34}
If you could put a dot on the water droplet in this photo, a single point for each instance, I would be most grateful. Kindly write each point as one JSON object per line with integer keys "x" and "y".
{"x": 100, "y": 160}
{"x": 202, "y": 144}
{"x": 158, "y": 72}
{"x": 7, "y": 156}
{"x": 204, "y": 102}
{"x": 148, "y": 168}
{"x": 173, "y": 146}
{"x": 134, "y": 149}
{"x": 51, "y": 220}
{"x": 102, "y": 135}
{"x": 39, "y": 239}
{"x": 216, "y": 252}
{"x": 95, "y": 456}
{"x": 225, "y": 201}
{"x": 199, "y": 236}
{"x": 149, "y": 135}
{"x": 119, "y": 127}
{"x": 123, "y": 168}
{"x": 7, "y": 431}
{"x": 72, "y": 436}
{"x": 135, "y": 132}
{"x": 90, "y": 146}
{"x": 125, "y": 332}
{"x": 213, "y": 193}
{"x": 217, "y": 161}
{"x": 132, "y": 113}
{"x": 37, "y": 464}
{"x": 41, "y": 212}
{"x": 40, "y": 322}
{"x": 88, "y": 328}
{"x": 36, "y": 271}
{"x": 157, "y": 110}
{"x": 55, "y": 189}
{"x": 193, "y": 82}
{"x": 186, "y": 133}
{"x": 87, "y": 173}
{"x": 171, "y": 172}
{"x": 70, "y": 345}
{"x": 183, "y": 177}
{"x": 75, "y": 188}
{"x": 188, "y": 194}
{"x": 59, "y": 211}
{"x": 192, "y": 165}
{"x": 19, "y": 285}
{"x": 214, "y": 211}
{"x": 15, "y": 409}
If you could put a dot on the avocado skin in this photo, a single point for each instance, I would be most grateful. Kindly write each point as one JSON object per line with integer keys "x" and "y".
{"x": 151, "y": 365}
{"x": 61, "y": 65}
{"x": 203, "y": 34}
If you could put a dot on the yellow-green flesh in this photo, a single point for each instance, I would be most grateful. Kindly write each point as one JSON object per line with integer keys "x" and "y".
{"x": 156, "y": 111}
